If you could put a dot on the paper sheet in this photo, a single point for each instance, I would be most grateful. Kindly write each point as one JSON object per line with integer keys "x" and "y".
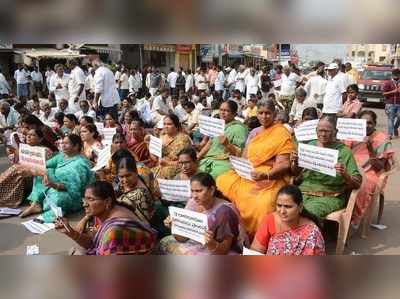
{"x": 175, "y": 190}
{"x": 38, "y": 228}
{"x": 317, "y": 158}
{"x": 242, "y": 167}
{"x": 211, "y": 126}
{"x": 155, "y": 146}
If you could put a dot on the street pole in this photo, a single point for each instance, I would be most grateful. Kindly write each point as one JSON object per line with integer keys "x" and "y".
{"x": 140, "y": 57}
{"x": 279, "y": 53}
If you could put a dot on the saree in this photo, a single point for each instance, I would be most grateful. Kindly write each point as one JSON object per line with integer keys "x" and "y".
{"x": 140, "y": 202}
{"x": 383, "y": 150}
{"x": 223, "y": 220}
{"x": 139, "y": 149}
{"x": 216, "y": 161}
{"x": 304, "y": 239}
{"x": 324, "y": 194}
{"x": 171, "y": 151}
{"x": 256, "y": 199}
{"x": 122, "y": 236}
{"x": 74, "y": 173}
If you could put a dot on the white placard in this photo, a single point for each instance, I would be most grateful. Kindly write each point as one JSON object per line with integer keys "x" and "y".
{"x": 189, "y": 224}
{"x": 307, "y": 130}
{"x": 10, "y": 211}
{"x": 211, "y": 126}
{"x": 32, "y": 156}
{"x": 108, "y": 134}
{"x": 277, "y": 83}
{"x": 352, "y": 129}
{"x": 317, "y": 158}
{"x": 155, "y": 146}
{"x": 100, "y": 127}
{"x": 175, "y": 190}
{"x": 38, "y": 228}
{"x": 242, "y": 167}
{"x": 103, "y": 157}
{"x": 32, "y": 250}
{"x": 247, "y": 251}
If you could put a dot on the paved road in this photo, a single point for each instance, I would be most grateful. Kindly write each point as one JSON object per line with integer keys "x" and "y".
{"x": 15, "y": 238}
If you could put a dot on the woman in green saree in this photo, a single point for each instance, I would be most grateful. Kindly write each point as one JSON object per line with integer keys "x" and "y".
{"x": 214, "y": 156}
{"x": 324, "y": 194}
{"x": 64, "y": 182}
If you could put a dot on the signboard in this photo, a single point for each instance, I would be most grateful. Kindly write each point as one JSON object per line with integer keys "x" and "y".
{"x": 206, "y": 53}
{"x": 351, "y": 129}
{"x": 317, "y": 158}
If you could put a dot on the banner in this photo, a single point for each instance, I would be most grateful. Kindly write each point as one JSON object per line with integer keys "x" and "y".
{"x": 307, "y": 130}
{"x": 352, "y": 129}
{"x": 175, "y": 190}
{"x": 242, "y": 167}
{"x": 211, "y": 126}
{"x": 155, "y": 146}
{"x": 103, "y": 157}
{"x": 317, "y": 158}
{"x": 32, "y": 156}
{"x": 189, "y": 224}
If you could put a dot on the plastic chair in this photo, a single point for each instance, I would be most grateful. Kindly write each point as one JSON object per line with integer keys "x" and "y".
{"x": 343, "y": 218}
{"x": 379, "y": 194}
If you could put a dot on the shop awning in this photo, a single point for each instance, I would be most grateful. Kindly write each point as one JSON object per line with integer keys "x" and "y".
{"x": 48, "y": 53}
{"x": 101, "y": 49}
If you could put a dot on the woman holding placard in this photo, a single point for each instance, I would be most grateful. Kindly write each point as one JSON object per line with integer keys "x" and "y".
{"x": 173, "y": 141}
{"x": 67, "y": 176}
{"x": 324, "y": 194}
{"x": 91, "y": 143}
{"x": 115, "y": 230}
{"x": 222, "y": 235}
{"x": 289, "y": 230}
{"x": 214, "y": 156}
{"x": 268, "y": 150}
{"x": 16, "y": 179}
{"x": 374, "y": 155}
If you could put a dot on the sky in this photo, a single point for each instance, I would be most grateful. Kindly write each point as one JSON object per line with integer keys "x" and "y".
{"x": 324, "y": 52}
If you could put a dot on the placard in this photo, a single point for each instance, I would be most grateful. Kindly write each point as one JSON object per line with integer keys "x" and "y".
{"x": 100, "y": 127}
{"x": 155, "y": 146}
{"x": 38, "y": 228}
{"x": 175, "y": 190}
{"x": 103, "y": 157}
{"x": 189, "y": 224}
{"x": 242, "y": 167}
{"x": 32, "y": 156}
{"x": 352, "y": 129}
{"x": 307, "y": 130}
{"x": 247, "y": 251}
{"x": 211, "y": 126}
{"x": 108, "y": 134}
{"x": 317, "y": 158}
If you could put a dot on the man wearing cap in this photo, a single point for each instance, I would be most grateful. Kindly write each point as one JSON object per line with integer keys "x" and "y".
{"x": 335, "y": 91}
{"x": 391, "y": 92}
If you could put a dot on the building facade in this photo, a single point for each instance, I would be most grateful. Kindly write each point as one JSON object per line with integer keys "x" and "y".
{"x": 369, "y": 53}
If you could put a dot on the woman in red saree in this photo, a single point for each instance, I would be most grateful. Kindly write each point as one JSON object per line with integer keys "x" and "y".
{"x": 135, "y": 141}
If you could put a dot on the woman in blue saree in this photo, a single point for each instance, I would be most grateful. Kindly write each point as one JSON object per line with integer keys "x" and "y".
{"x": 64, "y": 183}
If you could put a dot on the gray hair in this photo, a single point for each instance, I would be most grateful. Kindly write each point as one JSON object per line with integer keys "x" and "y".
{"x": 301, "y": 92}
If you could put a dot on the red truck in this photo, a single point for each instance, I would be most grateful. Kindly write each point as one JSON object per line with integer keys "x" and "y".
{"x": 371, "y": 82}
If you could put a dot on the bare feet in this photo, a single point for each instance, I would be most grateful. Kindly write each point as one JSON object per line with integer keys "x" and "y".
{"x": 32, "y": 209}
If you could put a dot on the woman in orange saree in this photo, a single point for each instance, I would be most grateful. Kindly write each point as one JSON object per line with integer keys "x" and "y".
{"x": 268, "y": 149}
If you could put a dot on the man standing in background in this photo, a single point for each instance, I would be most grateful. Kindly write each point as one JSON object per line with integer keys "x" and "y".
{"x": 76, "y": 86}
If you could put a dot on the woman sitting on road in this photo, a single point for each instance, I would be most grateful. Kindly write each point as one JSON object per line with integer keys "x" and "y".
{"x": 222, "y": 236}
{"x": 289, "y": 230}
{"x": 116, "y": 230}
{"x": 64, "y": 182}
{"x": 91, "y": 143}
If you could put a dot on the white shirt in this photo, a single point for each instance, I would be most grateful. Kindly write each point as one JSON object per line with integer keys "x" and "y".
{"x": 297, "y": 109}
{"x": 189, "y": 82}
{"x": 124, "y": 81}
{"x": 77, "y": 77}
{"x": 219, "y": 81}
{"x": 252, "y": 84}
{"x": 201, "y": 82}
{"x": 180, "y": 112}
{"x": 37, "y": 77}
{"x": 105, "y": 86}
{"x": 240, "y": 81}
{"x": 89, "y": 83}
{"x": 231, "y": 77}
{"x": 171, "y": 79}
{"x": 333, "y": 96}
{"x": 21, "y": 76}
{"x": 48, "y": 76}
{"x": 50, "y": 118}
{"x": 347, "y": 79}
{"x": 316, "y": 85}
{"x": 143, "y": 108}
{"x": 4, "y": 86}
{"x": 159, "y": 104}
{"x": 61, "y": 93}
{"x": 135, "y": 82}
{"x": 81, "y": 114}
{"x": 117, "y": 77}
{"x": 288, "y": 84}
